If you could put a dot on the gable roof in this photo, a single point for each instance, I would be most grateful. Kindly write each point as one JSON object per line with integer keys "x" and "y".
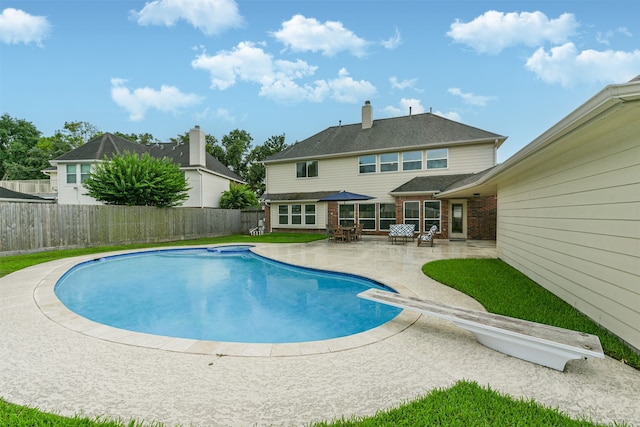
{"x": 110, "y": 145}
{"x": 407, "y": 132}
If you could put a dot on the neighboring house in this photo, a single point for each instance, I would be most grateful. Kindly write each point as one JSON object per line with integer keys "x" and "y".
{"x": 206, "y": 176}
{"x": 404, "y": 163}
{"x": 569, "y": 209}
{"x": 7, "y": 195}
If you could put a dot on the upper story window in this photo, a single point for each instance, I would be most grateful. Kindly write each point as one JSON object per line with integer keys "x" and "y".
{"x": 412, "y": 160}
{"x": 367, "y": 164}
{"x": 438, "y": 158}
{"x": 78, "y": 173}
{"x": 308, "y": 169}
{"x": 389, "y": 162}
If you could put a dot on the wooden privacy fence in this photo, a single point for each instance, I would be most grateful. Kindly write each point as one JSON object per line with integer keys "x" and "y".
{"x": 32, "y": 227}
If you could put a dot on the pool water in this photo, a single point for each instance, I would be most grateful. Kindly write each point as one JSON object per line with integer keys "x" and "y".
{"x": 220, "y": 294}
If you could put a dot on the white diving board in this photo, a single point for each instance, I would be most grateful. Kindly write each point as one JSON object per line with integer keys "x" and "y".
{"x": 542, "y": 344}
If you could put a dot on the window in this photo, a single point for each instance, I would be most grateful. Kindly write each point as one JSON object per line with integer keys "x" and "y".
{"x": 71, "y": 174}
{"x": 432, "y": 214}
{"x": 389, "y": 162}
{"x": 346, "y": 215}
{"x": 412, "y": 160}
{"x": 309, "y": 214}
{"x": 367, "y": 164}
{"x": 412, "y": 213}
{"x": 85, "y": 171}
{"x": 387, "y": 215}
{"x": 307, "y": 169}
{"x": 437, "y": 159}
{"x": 296, "y": 214}
{"x": 367, "y": 216}
{"x": 283, "y": 214}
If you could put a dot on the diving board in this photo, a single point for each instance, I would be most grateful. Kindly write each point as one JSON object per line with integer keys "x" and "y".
{"x": 534, "y": 342}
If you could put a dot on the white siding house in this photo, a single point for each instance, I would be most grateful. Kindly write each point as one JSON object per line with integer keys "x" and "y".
{"x": 569, "y": 209}
{"x": 206, "y": 176}
{"x": 381, "y": 159}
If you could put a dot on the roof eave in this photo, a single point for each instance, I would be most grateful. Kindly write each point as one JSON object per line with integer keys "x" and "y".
{"x": 604, "y": 100}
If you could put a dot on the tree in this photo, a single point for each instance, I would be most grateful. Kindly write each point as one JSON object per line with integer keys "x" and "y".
{"x": 78, "y": 133}
{"x": 138, "y": 181}
{"x": 233, "y": 151}
{"x": 142, "y": 138}
{"x": 239, "y": 196}
{"x": 17, "y": 138}
{"x": 256, "y": 172}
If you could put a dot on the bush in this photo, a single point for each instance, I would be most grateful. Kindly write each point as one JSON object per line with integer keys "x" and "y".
{"x": 138, "y": 181}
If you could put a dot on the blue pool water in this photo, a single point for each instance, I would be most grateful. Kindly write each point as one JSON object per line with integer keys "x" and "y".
{"x": 220, "y": 294}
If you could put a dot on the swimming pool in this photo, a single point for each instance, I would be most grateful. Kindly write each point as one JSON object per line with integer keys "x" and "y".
{"x": 224, "y": 293}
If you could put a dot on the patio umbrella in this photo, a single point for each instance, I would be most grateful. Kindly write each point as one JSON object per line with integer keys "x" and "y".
{"x": 345, "y": 196}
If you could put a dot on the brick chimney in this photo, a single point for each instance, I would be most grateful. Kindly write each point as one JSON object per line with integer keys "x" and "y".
{"x": 367, "y": 115}
{"x": 197, "y": 152}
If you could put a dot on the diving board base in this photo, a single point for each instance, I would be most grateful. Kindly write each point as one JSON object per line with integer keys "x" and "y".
{"x": 534, "y": 342}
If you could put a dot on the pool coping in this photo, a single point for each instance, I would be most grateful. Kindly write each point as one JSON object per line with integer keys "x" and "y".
{"x": 49, "y": 304}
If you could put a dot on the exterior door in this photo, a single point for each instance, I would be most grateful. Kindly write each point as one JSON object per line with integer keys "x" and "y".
{"x": 457, "y": 220}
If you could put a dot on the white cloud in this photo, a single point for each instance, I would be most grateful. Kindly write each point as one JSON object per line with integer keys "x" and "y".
{"x": 345, "y": 89}
{"x": 605, "y": 37}
{"x": 218, "y": 113}
{"x": 402, "y": 85}
{"x": 167, "y": 99}
{"x": 568, "y": 67}
{"x": 278, "y": 79}
{"x": 212, "y": 17}
{"x": 451, "y": 115}
{"x": 470, "y": 98}
{"x": 245, "y": 62}
{"x": 17, "y": 26}
{"x": 494, "y": 31}
{"x": 302, "y": 34}
{"x": 393, "y": 41}
{"x": 403, "y": 107}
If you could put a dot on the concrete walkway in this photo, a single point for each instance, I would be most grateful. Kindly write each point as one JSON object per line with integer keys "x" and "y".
{"x": 54, "y": 362}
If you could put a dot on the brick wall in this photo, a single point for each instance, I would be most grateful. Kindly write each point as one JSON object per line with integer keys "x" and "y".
{"x": 482, "y": 218}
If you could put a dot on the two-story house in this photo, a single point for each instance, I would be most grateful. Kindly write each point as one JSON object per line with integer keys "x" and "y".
{"x": 402, "y": 163}
{"x": 206, "y": 177}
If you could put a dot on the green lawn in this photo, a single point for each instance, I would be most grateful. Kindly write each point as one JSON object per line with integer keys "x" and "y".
{"x": 498, "y": 287}
{"x": 502, "y": 289}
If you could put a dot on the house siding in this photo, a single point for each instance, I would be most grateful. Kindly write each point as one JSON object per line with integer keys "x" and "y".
{"x": 335, "y": 174}
{"x": 569, "y": 218}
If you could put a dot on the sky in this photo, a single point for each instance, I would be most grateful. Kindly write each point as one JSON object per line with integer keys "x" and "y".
{"x": 297, "y": 67}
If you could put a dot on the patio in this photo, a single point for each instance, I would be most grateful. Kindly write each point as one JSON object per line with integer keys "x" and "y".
{"x": 58, "y": 369}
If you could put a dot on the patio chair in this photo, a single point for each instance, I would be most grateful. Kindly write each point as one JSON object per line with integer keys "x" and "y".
{"x": 427, "y": 238}
{"x": 401, "y": 231}
{"x": 329, "y": 231}
{"x": 340, "y": 233}
{"x": 357, "y": 232}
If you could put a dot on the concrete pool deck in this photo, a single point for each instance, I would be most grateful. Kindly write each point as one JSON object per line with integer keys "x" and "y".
{"x": 58, "y": 365}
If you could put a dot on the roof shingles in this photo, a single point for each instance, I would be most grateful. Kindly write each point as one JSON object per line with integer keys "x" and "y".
{"x": 111, "y": 145}
{"x": 420, "y": 130}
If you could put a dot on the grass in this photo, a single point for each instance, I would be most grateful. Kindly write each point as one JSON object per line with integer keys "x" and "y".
{"x": 500, "y": 288}
{"x": 13, "y": 263}
{"x": 466, "y": 404}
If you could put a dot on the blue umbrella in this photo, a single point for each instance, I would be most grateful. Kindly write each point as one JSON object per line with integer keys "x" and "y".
{"x": 345, "y": 196}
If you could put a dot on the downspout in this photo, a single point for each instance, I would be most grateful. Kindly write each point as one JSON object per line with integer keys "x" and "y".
{"x": 201, "y": 187}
